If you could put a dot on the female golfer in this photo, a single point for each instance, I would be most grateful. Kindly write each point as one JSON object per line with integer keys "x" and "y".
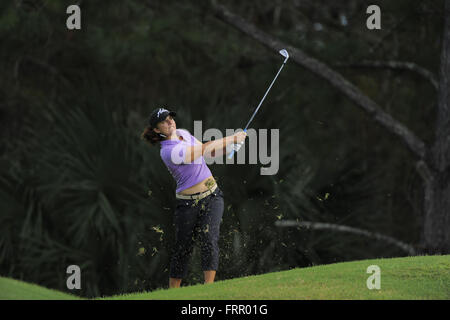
{"x": 199, "y": 201}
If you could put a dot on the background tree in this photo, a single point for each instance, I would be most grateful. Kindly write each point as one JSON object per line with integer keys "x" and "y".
{"x": 433, "y": 161}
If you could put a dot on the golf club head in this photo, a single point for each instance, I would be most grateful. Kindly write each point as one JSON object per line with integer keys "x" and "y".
{"x": 285, "y": 54}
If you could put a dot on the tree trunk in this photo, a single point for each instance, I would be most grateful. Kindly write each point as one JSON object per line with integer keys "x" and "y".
{"x": 436, "y": 235}
{"x": 435, "y": 238}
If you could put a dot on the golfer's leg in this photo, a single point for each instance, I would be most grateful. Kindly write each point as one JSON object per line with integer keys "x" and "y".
{"x": 209, "y": 276}
{"x": 174, "y": 283}
{"x": 184, "y": 221}
{"x": 210, "y": 221}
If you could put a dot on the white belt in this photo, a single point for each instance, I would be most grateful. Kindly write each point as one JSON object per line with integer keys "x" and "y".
{"x": 196, "y": 196}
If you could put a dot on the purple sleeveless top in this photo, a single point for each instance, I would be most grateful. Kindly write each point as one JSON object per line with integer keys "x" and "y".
{"x": 173, "y": 154}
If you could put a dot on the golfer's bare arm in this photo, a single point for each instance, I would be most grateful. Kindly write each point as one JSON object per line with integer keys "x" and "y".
{"x": 209, "y": 149}
{"x": 206, "y": 149}
{"x": 214, "y": 152}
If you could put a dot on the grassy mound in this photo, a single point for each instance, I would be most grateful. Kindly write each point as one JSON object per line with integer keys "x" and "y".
{"x": 420, "y": 277}
{"x": 11, "y": 289}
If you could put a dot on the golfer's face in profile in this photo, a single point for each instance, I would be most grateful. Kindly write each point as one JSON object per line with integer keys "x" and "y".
{"x": 167, "y": 126}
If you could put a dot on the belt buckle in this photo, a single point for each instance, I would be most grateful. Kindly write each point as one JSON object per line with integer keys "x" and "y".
{"x": 202, "y": 194}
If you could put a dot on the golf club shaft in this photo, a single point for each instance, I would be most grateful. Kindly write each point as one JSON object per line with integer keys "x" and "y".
{"x": 254, "y": 113}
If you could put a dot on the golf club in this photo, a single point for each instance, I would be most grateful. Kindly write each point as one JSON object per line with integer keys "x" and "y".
{"x": 285, "y": 54}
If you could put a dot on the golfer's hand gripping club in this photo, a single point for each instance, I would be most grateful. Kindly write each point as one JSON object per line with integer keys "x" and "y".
{"x": 236, "y": 147}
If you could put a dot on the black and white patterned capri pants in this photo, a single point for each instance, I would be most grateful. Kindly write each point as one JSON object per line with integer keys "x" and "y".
{"x": 197, "y": 219}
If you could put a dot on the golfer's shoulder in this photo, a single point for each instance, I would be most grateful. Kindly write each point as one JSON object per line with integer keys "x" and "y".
{"x": 189, "y": 137}
{"x": 184, "y": 132}
{"x": 173, "y": 154}
{"x": 174, "y": 146}
{"x": 167, "y": 148}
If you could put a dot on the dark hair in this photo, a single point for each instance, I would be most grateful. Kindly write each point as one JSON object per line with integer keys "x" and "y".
{"x": 150, "y": 136}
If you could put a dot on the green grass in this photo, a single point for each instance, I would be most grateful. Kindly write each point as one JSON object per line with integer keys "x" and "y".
{"x": 421, "y": 277}
{"x": 11, "y": 289}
